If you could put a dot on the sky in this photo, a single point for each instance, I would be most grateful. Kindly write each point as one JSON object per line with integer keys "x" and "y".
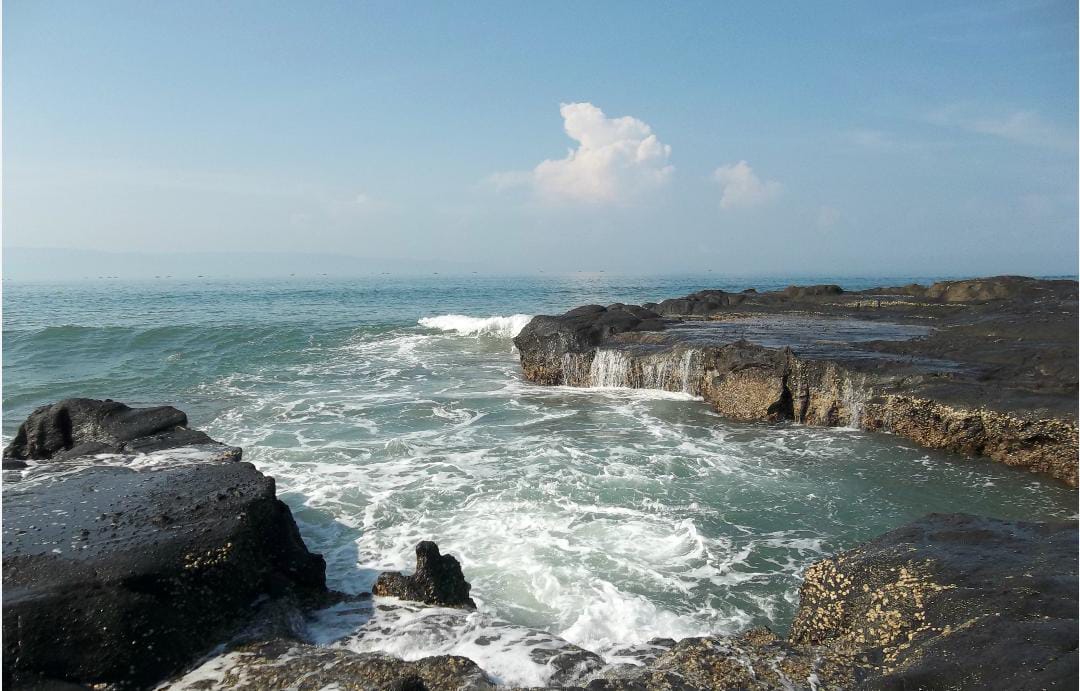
{"x": 832, "y": 138}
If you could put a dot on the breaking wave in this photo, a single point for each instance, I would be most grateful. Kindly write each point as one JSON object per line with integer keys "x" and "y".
{"x": 506, "y": 327}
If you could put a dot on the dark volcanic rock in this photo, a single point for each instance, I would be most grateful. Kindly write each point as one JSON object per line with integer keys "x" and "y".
{"x": 122, "y": 572}
{"x": 82, "y": 426}
{"x": 951, "y": 601}
{"x": 438, "y": 580}
{"x": 545, "y": 339}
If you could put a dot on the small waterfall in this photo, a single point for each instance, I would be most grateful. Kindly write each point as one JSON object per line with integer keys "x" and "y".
{"x": 610, "y": 368}
{"x": 669, "y": 370}
{"x": 686, "y": 373}
{"x": 854, "y": 398}
{"x": 575, "y": 371}
{"x": 654, "y": 372}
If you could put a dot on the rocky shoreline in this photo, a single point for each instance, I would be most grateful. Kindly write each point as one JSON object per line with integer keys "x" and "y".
{"x": 139, "y": 553}
{"x": 984, "y": 367}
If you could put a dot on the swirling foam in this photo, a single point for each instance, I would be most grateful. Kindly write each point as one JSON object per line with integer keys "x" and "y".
{"x": 506, "y": 327}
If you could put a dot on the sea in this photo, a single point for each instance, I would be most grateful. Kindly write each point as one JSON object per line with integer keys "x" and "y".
{"x": 392, "y": 410}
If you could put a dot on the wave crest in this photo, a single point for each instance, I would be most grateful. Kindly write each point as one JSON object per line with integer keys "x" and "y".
{"x": 506, "y": 327}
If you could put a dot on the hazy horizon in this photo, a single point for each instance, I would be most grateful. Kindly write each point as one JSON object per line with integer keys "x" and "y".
{"x": 29, "y": 264}
{"x": 833, "y": 139}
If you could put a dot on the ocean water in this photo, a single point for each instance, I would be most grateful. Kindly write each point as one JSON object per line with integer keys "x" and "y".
{"x": 392, "y": 410}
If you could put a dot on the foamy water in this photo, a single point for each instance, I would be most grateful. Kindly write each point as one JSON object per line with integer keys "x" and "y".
{"x": 598, "y": 517}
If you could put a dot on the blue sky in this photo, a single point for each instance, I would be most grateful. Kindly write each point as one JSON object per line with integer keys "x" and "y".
{"x": 832, "y": 138}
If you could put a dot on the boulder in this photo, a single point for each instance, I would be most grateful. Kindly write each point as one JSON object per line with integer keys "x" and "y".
{"x": 83, "y": 426}
{"x": 438, "y": 580}
{"x": 703, "y": 303}
{"x": 121, "y": 571}
{"x": 813, "y": 291}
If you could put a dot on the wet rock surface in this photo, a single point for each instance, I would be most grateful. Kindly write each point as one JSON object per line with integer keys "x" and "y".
{"x": 981, "y": 367}
{"x": 288, "y": 664}
{"x": 122, "y": 569}
{"x": 438, "y": 580}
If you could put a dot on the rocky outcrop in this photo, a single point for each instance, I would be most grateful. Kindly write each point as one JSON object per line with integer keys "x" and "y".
{"x": 83, "y": 426}
{"x": 995, "y": 288}
{"x": 120, "y": 570}
{"x": 438, "y": 580}
{"x": 995, "y": 377}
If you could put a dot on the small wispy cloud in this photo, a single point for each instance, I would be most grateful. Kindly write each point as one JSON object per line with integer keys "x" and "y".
{"x": 875, "y": 140}
{"x": 740, "y": 187}
{"x": 1021, "y": 126}
{"x": 615, "y": 160}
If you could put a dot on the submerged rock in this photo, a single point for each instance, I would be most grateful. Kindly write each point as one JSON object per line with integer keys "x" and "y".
{"x": 82, "y": 426}
{"x": 438, "y": 580}
{"x": 122, "y": 569}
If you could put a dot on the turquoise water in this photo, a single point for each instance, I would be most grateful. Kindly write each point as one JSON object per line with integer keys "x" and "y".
{"x": 606, "y": 517}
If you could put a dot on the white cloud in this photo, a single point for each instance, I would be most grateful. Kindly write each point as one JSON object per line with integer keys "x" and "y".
{"x": 741, "y": 187}
{"x": 616, "y": 159}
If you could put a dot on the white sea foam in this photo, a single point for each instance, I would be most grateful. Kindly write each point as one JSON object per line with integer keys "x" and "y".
{"x": 510, "y": 654}
{"x": 506, "y": 327}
